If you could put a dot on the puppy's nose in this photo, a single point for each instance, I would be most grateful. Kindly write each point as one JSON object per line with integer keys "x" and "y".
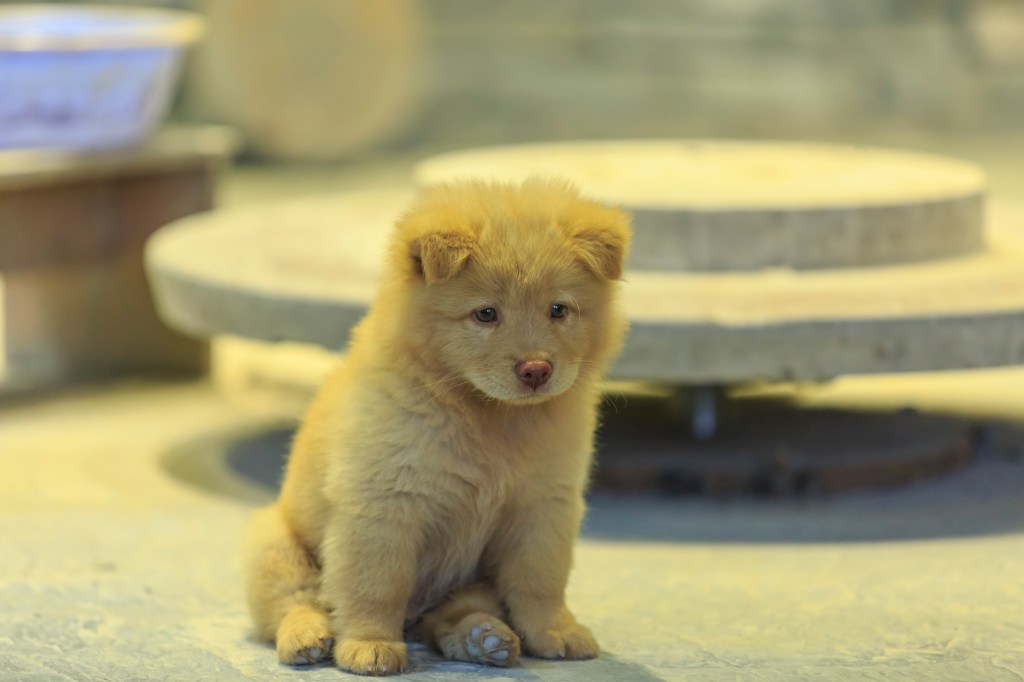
{"x": 534, "y": 373}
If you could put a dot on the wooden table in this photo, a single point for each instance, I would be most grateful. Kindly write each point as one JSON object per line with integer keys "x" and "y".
{"x": 76, "y": 300}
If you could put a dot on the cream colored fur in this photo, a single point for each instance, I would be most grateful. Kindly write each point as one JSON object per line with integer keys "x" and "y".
{"x": 428, "y": 483}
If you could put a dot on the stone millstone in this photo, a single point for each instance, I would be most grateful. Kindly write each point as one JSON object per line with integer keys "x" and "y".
{"x": 306, "y": 271}
{"x": 721, "y": 206}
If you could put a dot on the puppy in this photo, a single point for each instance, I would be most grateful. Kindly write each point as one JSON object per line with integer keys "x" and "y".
{"x": 438, "y": 477}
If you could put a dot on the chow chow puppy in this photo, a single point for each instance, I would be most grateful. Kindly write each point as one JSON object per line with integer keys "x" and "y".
{"x": 437, "y": 479}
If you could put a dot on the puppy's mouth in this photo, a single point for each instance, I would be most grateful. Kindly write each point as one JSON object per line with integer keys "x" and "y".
{"x": 518, "y": 395}
{"x": 525, "y": 394}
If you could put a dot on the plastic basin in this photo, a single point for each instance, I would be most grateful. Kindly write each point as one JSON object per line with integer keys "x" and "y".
{"x": 88, "y": 77}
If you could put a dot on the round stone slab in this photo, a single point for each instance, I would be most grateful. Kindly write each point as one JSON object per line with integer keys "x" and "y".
{"x": 708, "y": 205}
{"x": 302, "y": 271}
{"x": 306, "y": 271}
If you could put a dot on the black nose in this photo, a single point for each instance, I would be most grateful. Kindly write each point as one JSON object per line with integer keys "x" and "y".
{"x": 534, "y": 373}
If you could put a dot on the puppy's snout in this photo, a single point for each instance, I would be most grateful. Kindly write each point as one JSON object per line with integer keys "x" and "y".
{"x": 534, "y": 373}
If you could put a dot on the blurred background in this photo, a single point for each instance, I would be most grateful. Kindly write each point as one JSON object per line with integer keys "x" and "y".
{"x": 374, "y": 78}
{"x": 119, "y": 486}
{"x": 367, "y": 79}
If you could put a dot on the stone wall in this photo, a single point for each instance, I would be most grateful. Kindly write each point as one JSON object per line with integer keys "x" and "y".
{"x": 778, "y": 68}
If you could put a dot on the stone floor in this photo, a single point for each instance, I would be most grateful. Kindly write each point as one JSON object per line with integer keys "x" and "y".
{"x": 113, "y": 569}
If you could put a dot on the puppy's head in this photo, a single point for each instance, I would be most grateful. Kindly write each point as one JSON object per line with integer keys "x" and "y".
{"x": 511, "y": 287}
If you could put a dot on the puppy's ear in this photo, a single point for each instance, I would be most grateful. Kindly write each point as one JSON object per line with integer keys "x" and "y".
{"x": 440, "y": 255}
{"x": 600, "y": 237}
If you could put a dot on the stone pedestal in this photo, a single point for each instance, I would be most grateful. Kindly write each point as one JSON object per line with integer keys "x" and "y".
{"x": 72, "y": 227}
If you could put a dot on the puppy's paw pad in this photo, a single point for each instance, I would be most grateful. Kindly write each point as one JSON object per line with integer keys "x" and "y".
{"x": 313, "y": 654}
{"x": 489, "y": 641}
{"x": 371, "y": 657}
{"x": 572, "y": 642}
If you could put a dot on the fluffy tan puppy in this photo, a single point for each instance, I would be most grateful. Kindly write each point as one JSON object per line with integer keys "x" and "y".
{"x": 438, "y": 477}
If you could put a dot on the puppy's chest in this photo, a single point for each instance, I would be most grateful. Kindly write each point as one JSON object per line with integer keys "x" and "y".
{"x": 464, "y": 513}
{"x": 458, "y": 528}
{"x": 474, "y": 479}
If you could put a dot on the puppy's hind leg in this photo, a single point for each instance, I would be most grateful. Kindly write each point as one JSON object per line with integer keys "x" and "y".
{"x": 282, "y": 583}
{"x": 469, "y": 627}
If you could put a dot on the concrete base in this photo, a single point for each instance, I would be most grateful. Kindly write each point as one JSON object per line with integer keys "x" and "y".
{"x": 646, "y": 448}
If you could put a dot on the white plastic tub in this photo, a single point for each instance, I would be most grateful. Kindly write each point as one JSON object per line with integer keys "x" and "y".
{"x": 87, "y": 77}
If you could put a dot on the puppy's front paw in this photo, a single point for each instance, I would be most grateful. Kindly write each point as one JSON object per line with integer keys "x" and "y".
{"x": 573, "y": 641}
{"x": 304, "y": 637}
{"x": 371, "y": 657}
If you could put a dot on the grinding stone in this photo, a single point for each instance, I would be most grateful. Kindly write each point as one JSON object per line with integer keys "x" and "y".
{"x": 713, "y": 205}
{"x": 306, "y": 271}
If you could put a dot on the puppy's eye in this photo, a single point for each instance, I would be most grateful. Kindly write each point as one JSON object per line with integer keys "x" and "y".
{"x": 486, "y": 315}
{"x": 558, "y": 310}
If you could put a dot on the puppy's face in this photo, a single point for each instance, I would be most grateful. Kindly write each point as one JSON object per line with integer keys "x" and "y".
{"x": 513, "y": 286}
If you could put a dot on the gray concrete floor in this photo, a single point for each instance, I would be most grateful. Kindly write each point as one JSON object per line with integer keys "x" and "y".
{"x": 112, "y": 568}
